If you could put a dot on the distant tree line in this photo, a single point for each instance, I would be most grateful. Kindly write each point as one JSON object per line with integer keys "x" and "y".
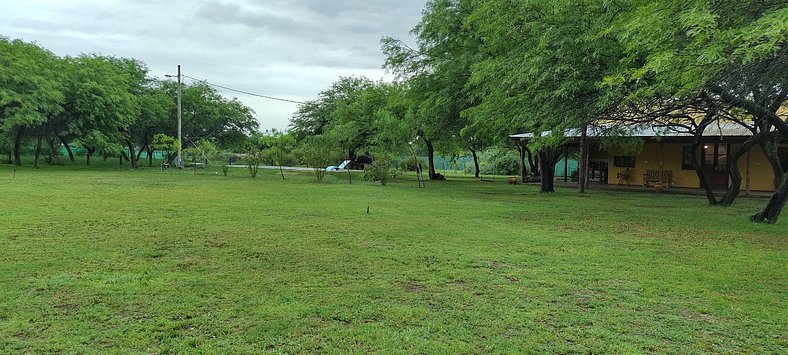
{"x": 108, "y": 106}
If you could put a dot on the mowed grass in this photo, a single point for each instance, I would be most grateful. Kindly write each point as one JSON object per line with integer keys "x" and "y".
{"x": 149, "y": 261}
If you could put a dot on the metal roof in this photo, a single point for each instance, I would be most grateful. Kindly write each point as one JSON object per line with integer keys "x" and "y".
{"x": 721, "y": 129}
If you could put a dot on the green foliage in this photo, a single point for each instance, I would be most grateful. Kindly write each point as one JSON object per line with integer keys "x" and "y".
{"x": 164, "y": 142}
{"x": 574, "y": 176}
{"x": 499, "y": 161}
{"x": 31, "y": 84}
{"x": 318, "y": 152}
{"x": 208, "y": 115}
{"x": 204, "y": 150}
{"x": 380, "y": 170}
{"x": 410, "y": 163}
{"x": 625, "y": 144}
{"x": 225, "y": 170}
{"x": 103, "y": 102}
{"x": 253, "y": 160}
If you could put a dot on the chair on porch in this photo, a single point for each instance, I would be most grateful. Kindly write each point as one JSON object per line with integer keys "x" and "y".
{"x": 624, "y": 176}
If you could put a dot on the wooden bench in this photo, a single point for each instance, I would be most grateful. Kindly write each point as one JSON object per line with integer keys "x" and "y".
{"x": 665, "y": 176}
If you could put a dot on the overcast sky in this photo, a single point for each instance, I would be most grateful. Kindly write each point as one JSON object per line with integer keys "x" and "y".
{"x": 284, "y": 48}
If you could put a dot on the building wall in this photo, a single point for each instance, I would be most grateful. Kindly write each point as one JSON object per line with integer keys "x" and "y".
{"x": 652, "y": 154}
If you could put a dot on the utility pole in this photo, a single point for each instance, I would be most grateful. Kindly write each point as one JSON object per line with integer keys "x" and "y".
{"x": 179, "y": 163}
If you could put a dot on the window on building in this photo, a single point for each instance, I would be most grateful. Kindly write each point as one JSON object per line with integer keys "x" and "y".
{"x": 686, "y": 158}
{"x": 624, "y": 162}
{"x": 708, "y": 155}
{"x": 722, "y": 157}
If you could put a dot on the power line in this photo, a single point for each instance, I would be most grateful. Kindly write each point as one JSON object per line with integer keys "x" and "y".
{"x": 243, "y": 92}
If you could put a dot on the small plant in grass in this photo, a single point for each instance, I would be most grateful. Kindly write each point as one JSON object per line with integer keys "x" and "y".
{"x": 225, "y": 169}
{"x": 253, "y": 160}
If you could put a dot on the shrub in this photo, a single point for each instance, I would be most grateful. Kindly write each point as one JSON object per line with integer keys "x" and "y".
{"x": 380, "y": 170}
{"x": 411, "y": 163}
{"x": 497, "y": 161}
{"x": 317, "y": 152}
{"x": 225, "y": 169}
{"x": 574, "y": 176}
{"x": 253, "y": 160}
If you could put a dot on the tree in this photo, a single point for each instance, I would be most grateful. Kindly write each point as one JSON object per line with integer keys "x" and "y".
{"x": 437, "y": 73}
{"x": 208, "y": 115}
{"x": 157, "y": 115}
{"x": 253, "y": 160}
{"x": 100, "y": 103}
{"x": 346, "y": 110}
{"x": 540, "y": 67}
{"x": 163, "y": 142}
{"x": 31, "y": 90}
{"x": 317, "y": 152}
{"x": 281, "y": 146}
{"x": 731, "y": 53}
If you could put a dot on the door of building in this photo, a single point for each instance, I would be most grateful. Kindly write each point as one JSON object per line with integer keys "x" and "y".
{"x": 715, "y": 164}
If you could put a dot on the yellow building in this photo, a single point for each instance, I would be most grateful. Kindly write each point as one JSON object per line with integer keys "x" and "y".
{"x": 663, "y": 158}
{"x": 666, "y": 152}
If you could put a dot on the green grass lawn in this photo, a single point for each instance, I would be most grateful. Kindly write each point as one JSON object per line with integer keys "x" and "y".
{"x": 149, "y": 261}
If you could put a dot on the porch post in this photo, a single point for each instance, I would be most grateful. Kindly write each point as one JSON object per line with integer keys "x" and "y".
{"x": 583, "y": 171}
{"x": 566, "y": 164}
{"x": 661, "y": 159}
{"x": 747, "y": 175}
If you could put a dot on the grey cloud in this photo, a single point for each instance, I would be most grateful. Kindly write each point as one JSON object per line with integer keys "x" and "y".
{"x": 290, "y": 48}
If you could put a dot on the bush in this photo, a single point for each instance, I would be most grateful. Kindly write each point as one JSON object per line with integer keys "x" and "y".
{"x": 574, "y": 176}
{"x": 380, "y": 170}
{"x": 253, "y": 160}
{"x": 411, "y": 163}
{"x": 317, "y": 152}
{"x": 497, "y": 161}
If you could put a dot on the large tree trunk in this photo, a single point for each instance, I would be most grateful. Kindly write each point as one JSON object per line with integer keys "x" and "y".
{"x": 733, "y": 168}
{"x": 523, "y": 171}
{"x": 352, "y": 156}
{"x": 143, "y": 147}
{"x": 20, "y": 134}
{"x": 38, "y": 151}
{"x": 771, "y": 212}
{"x": 50, "y": 158}
{"x": 704, "y": 181}
{"x": 431, "y": 160}
{"x": 583, "y": 170}
{"x": 123, "y": 156}
{"x": 68, "y": 148}
{"x": 477, "y": 171}
{"x": 89, "y": 153}
{"x": 548, "y": 158}
{"x": 534, "y": 164}
{"x": 769, "y": 146}
{"x": 132, "y": 154}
